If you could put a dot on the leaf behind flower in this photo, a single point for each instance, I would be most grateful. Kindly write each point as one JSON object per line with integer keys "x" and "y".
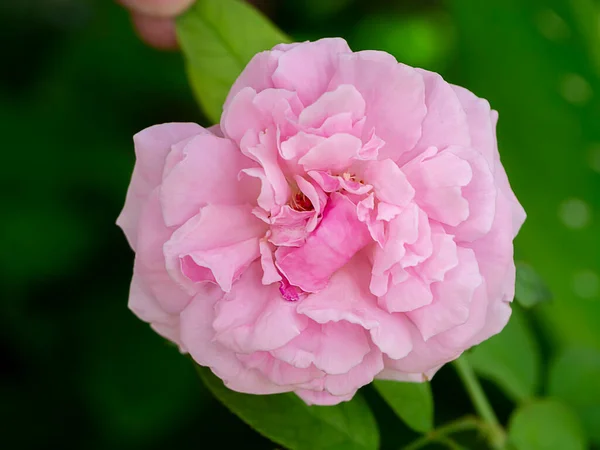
{"x": 288, "y": 421}
{"x": 218, "y": 38}
{"x": 546, "y": 424}
{"x": 511, "y": 359}
{"x": 412, "y": 402}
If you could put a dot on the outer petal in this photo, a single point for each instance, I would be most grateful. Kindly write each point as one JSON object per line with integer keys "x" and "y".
{"x": 256, "y": 75}
{"x": 446, "y": 121}
{"x": 333, "y": 347}
{"x": 481, "y": 126}
{"x": 254, "y": 317}
{"x": 394, "y": 96}
{"x": 198, "y": 335}
{"x": 145, "y": 306}
{"x": 308, "y": 67}
{"x": 452, "y": 298}
{"x": 322, "y": 398}
{"x": 150, "y": 261}
{"x": 151, "y": 148}
{"x": 207, "y": 171}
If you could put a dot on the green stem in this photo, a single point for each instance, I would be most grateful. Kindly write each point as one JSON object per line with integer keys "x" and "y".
{"x": 497, "y": 437}
{"x": 441, "y": 434}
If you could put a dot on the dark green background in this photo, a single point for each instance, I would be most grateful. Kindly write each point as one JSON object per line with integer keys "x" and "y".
{"x": 79, "y": 370}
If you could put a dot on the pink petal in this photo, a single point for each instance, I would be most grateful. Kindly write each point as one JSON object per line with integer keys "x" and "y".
{"x": 438, "y": 180}
{"x": 407, "y": 295}
{"x": 278, "y": 371}
{"x": 359, "y": 376}
{"x": 151, "y": 147}
{"x": 334, "y": 153}
{"x": 480, "y": 193}
{"x": 308, "y": 67}
{"x": 322, "y": 398}
{"x": 270, "y": 274}
{"x": 221, "y": 238}
{"x": 444, "y": 256}
{"x": 394, "y": 96}
{"x": 150, "y": 261}
{"x": 266, "y": 153}
{"x": 253, "y": 317}
{"x": 389, "y": 182}
{"x": 197, "y": 334}
{"x": 445, "y": 123}
{"x": 207, "y": 173}
{"x": 338, "y": 237}
{"x": 480, "y": 122}
{"x": 256, "y": 75}
{"x": 347, "y": 298}
{"x": 452, "y": 298}
{"x": 143, "y": 303}
{"x": 334, "y": 348}
{"x": 345, "y": 98}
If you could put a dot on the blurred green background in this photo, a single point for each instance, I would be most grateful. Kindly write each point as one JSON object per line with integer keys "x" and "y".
{"x": 80, "y": 371}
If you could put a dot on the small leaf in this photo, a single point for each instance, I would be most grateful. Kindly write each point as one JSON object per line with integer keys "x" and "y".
{"x": 288, "y": 421}
{"x": 530, "y": 289}
{"x": 546, "y": 425}
{"x": 574, "y": 379}
{"x": 218, "y": 38}
{"x": 412, "y": 402}
{"x": 510, "y": 359}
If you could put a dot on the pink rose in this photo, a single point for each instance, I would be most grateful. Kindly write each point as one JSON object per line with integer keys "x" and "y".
{"x": 349, "y": 220}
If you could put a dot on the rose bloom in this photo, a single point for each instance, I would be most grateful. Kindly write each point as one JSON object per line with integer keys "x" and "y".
{"x": 349, "y": 219}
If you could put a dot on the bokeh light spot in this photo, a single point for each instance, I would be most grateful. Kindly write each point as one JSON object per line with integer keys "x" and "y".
{"x": 574, "y": 213}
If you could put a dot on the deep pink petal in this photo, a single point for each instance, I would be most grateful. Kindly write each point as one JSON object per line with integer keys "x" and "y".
{"x": 335, "y": 241}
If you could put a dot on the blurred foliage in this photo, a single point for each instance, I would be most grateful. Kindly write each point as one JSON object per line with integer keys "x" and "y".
{"x": 80, "y": 371}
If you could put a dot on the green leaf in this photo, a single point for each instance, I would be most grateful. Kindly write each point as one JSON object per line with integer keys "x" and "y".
{"x": 546, "y": 425}
{"x": 510, "y": 359}
{"x": 218, "y": 38}
{"x": 530, "y": 289}
{"x": 288, "y": 421}
{"x": 574, "y": 378}
{"x": 412, "y": 402}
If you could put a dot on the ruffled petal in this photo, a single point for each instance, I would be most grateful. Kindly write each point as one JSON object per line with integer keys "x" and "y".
{"x": 308, "y": 68}
{"x": 452, "y": 297}
{"x": 207, "y": 172}
{"x": 347, "y": 298}
{"x": 335, "y": 241}
{"x": 254, "y": 317}
{"x": 223, "y": 239}
{"x": 198, "y": 337}
{"x": 151, "y": 148}
{"x": 394, "y": 96}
